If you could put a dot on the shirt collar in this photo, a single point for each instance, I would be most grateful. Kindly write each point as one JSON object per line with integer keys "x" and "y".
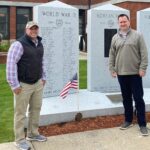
{"x": 35, "y": 41}
{"x": 124, "y": 34}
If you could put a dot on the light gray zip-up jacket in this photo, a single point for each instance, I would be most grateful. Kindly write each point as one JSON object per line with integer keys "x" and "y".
{"x": 128, "y": 55}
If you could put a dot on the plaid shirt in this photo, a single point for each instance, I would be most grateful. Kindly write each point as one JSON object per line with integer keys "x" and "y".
{"x": 14, "y": 55}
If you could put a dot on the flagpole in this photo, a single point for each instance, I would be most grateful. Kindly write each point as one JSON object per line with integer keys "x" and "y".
{"x": 78, "y": 116}
{"x": 78, "y": 96}
{"x": 78, "y": 91}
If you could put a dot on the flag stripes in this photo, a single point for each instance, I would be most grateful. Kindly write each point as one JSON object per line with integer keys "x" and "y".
{"x": 73, "y": 83}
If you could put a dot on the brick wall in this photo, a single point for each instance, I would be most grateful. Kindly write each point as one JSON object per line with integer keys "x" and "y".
{"x": 12, "y": 23}
{"x": 75, "y": 2}
{"x": 72, "y": 2}
{"x": 98, "y": 1}
{"x": 36, "y": 1}
{"x": 134, "y": 7}
{"x": 82, "y": 2}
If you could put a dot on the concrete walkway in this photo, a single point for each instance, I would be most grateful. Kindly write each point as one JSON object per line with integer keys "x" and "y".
{"x": 104, "y": 139}
{"x": 82, "y": 55}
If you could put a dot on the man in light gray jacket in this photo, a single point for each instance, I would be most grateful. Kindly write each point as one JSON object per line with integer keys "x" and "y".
{"x": 128, "y": 60}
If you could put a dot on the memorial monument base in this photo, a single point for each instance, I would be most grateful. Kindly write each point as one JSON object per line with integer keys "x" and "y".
{"x": 91, "y": 104}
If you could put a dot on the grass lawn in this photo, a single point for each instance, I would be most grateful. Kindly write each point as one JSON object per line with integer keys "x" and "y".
{"x": 83, "y": 74}
{"x": 6, "y": 109}
{"x": 6, "y": 102}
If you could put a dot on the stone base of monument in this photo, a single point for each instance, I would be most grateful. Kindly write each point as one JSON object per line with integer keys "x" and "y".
{"x": 89, "y": 104}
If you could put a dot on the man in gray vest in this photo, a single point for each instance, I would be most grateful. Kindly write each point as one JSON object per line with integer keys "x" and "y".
{"x": 128, "y": 60}
{"x": 26, "y": 77}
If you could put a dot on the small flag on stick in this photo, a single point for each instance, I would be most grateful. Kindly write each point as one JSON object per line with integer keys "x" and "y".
{"x": 73, "y": 83}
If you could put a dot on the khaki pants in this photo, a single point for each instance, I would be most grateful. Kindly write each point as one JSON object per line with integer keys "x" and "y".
{"x": 31, "y": 97}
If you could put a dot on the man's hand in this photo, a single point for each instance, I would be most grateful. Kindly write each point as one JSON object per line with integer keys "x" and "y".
{"x": 114, "y": 74}
{"x": 43, "y": 81}
{"x": 142, "y": 73}
{"x": 17, "y": 90}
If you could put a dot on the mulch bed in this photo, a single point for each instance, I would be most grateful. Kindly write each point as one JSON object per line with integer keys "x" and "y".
{"x": 3, "y": 57}
{"x": 85, "y": 125}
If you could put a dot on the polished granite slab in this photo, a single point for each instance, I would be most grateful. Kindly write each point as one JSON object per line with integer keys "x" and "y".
{"x": 90, "y": 104}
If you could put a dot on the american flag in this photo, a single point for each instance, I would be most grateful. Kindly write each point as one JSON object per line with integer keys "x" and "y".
{"x": 73, "y": 83}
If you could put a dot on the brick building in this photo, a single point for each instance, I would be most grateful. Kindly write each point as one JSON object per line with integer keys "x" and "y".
{"x": 14, "y": 14}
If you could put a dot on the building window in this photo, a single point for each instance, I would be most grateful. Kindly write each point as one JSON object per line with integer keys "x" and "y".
{"x": 82, "y": 34}
{"x": 81, "y": 22}
{"x": 4, "y": 22}
{"x": 23, "y": 16}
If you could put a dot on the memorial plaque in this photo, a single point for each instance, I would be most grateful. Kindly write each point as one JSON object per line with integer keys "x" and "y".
{"x": 102, "y": 25}
{"x": 58, "y": 24}
{"x": 108, "y": 34}
{"x": 143, "y": 26}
